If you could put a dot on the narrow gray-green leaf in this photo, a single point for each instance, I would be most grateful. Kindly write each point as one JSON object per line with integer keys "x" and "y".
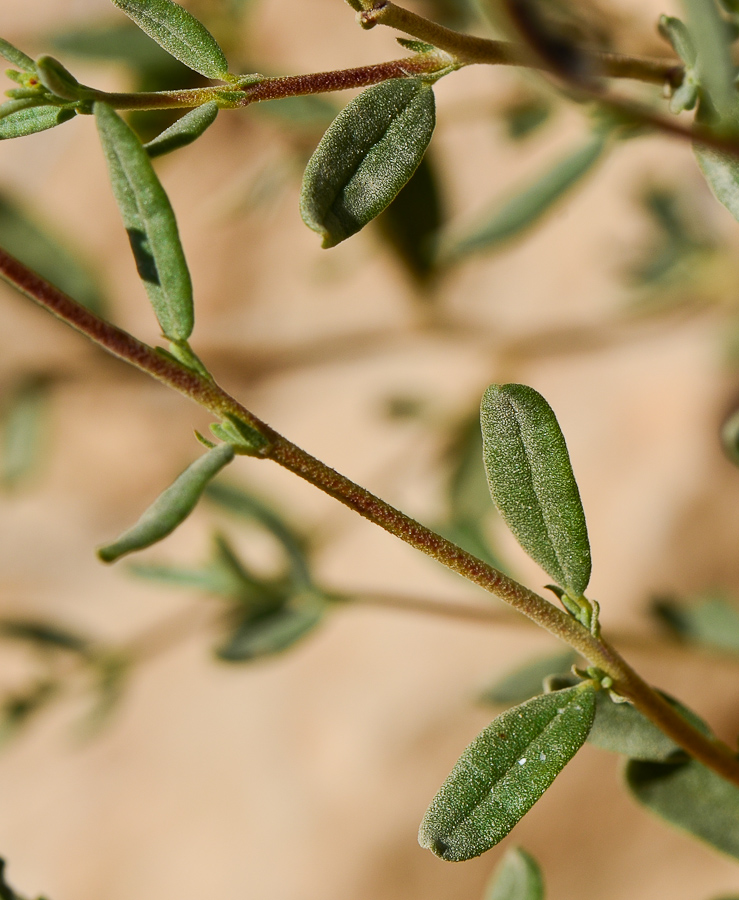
{"x": 17, "y": 57}
{"x": 150, "y": 222}
{"x": 23, "y": 421}
{"x": 504, "y": 771}
{"x": 518, "y": 877}
{"x": 172, "y": 507}
{"x": 621, "y": 728}
{"x": 711, "y": 621}
{"x": 715, "y": 71}
{"x": 676, "y": 32}
{"x": 368, "y": 153}
{"x": 247, "y": 506}
{"x": 531, "y": 481}
{"x": 57, "y": 79}
{"x": 28, "y": 119}
{"x": 180, "y": 33}
{"x": 271, "y": 633}
{"x": 721, "y": 171}
{"x": 527, "y": 205}
{"x": 35, "y": 243}
{"x": 526, "y": 681}
{"x": 45, "y": 635}
{"x": 184, "y": 131}
{"x": 691, "y": 797}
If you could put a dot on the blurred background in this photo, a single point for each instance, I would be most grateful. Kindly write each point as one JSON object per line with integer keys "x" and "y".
{"x": 149, "y": 767}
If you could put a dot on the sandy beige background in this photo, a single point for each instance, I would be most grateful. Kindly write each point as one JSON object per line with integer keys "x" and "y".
{"x": 306, "y": 777}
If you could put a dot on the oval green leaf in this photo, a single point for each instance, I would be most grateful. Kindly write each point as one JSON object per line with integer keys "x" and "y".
{"x": 518, "y": 877}
{"x": 26, "y": 118}
{"x": 721, "y": 171}
{"x": 184, "y": 131}
{"x": 690, "y": 797}
{"x": 367, "y": 155}
{"x": 150, "y": 222}
{"x": 179, "y": 33}
{"x": 531, "y": 482}
{"x": 526, "y": 206}
{"x": 504, "y": 771}
{"x": 172, "y": 507}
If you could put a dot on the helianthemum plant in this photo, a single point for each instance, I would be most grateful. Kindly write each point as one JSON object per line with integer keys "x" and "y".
{"x": 369, "y": 156}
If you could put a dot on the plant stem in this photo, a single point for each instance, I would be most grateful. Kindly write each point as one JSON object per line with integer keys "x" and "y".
{"x": 470, "y": 50}
{"x": 208, "y": 394}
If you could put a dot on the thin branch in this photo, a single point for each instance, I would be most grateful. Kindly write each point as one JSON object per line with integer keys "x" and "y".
{"x": 708, "y": 750}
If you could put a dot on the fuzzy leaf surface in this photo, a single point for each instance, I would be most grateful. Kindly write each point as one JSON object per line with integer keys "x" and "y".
{"x": 26, "y": 120}
{"x": 504, "y": 771}
{"x": 184, "y": 131}
{"x": 368, "y": 154}
{"x": 529, "y": 204}
{"x": 179, "y": 33}
{"x": 518, "y": 877}
{"x": 172, "y": 507}
{"x": 690, "y": 797}
{"x": 532, "y": 484}
{"x": 150, "y": 222}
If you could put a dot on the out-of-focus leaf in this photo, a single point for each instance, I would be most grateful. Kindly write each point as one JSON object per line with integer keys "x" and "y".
{"x": 184, "y": 131}
{"x": 6, "y": 891}
{"x": 180, "y": 33}
{"x": 711, "y": 621}
{"x": 730, "y": 437}
{"x": 504, "y": 771}
{"x": 526, "y": 206}
{"x": 311, "y": 111}
{"x": 17, "y": 57}
{"x": 532, "y": 484}
{"x": 32, "y": 119}
{"x": 526, "y": 681}
{"x": 150, "y": 222}
{"x": 23, "y": 424}
{"x": 690, "y": 797}
{"x": 36, "y": 245}
{"x": 110, "y": 675}
{"x": 524, "y": 116}
{"x": 172, "y": 507}
{"x": 518, "y": 877}
{"x": 17, "y": 710}
{"x": 412, "y": 219}
{"x": 241, "y": 503}
{"x": 209, "y": 579}
{"x": 44, "y": 635}
{"x": 367, "y": 155}
{"x": 273, "y": 632}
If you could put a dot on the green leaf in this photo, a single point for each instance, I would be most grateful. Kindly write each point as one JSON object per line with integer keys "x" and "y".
{"x": 34, "y": 243}
{"x": 711, "y": 621}
{"x": 180, "y": 33}
{"x": 368, "y": 153}
{"x": 185, "y": 130}
{"x": 504, "y": 771}
{"x": 150, "y": 222}
{"x": 17, "y": 710}
{"x": 172, "y": 507}
{"x": 271, "y": 633}
{"x": 714, "y": 68}
{"x": 730, "y": 437}
{"x": 44, "y": 635}
{"x": 518, "y": 877}
{"x": 57, "y": 79}
{"x": 621, "y": 728}
{"x": 412, "y": 219}
{"x": 690, "y": 797}
{"x": 721, "y": 171}
{"x": 239, "y": 502}
{"x": 17, "y": 57}
{"x": 676, "y": 32}
{"x": 532, "y": 484}
{"x": 23, "y": 422}
{"x": 525, "y": 206}
{"x": 30, "y": 119}
{"x": 209, "y": 580}
{"x": 526, "y": 681}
